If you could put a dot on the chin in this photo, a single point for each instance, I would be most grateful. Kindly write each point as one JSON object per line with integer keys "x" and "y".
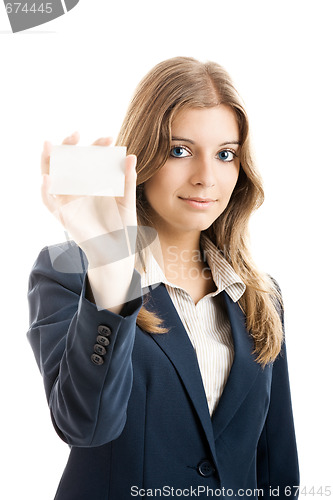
{"x": 201, "y": 227}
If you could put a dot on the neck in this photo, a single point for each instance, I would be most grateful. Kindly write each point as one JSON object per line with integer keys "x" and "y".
{"x": 180, "y": 253}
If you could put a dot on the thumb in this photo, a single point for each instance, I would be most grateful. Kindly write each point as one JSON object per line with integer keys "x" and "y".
{"x": 130, "y": 181}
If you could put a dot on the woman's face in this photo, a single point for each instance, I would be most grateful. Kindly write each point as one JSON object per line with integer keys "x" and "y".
{"x": 194, "y": 186}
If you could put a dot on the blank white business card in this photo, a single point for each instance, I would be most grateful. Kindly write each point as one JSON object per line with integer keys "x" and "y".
{"x": 87, "y": 170}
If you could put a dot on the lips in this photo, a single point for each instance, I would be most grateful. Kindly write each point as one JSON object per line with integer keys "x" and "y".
{"x": 198, "y": 203}
{"x": 199, "y": 199}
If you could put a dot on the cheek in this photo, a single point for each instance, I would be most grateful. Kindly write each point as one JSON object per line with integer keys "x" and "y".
{"x": 229, "y": 180}
{"x": 234, "y": 178}
{"x": 156, "y": 188}
{"x": 165, "y": 182}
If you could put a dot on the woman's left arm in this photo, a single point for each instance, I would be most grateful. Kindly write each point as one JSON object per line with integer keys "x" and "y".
{"x": 277, "y": 460}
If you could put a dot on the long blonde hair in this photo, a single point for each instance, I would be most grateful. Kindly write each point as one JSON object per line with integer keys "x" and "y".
{"x": 171, "y": 86}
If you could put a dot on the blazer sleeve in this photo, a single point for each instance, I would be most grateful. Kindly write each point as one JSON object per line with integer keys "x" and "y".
{"x": 277, "y": 460}
{"x": 87, "y": 401}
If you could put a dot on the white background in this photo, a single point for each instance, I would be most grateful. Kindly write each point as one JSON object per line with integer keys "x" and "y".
{"x": 78, "y": 73}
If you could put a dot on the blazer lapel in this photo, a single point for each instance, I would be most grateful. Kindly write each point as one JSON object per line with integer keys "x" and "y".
{"x": 178, "y": 347}
{"x": 243, "y": 372}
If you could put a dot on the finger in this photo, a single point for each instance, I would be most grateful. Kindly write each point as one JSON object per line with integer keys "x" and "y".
{"x": 45, "y": 158}
{"x": 55, "y": 203}
{"x": 72, "y": 139}
{"x": 130, "y": 181}
{"x": 103, "y": 141}
{"x": 49, "y": 200}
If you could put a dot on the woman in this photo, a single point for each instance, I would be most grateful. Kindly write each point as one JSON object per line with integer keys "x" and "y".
{"x": 168, "y": 378}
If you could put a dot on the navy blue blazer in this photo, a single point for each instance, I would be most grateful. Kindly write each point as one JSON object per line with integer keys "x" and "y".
{"x": 137, "y": 422}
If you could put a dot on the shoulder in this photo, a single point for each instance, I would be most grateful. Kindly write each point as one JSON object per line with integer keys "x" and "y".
{"x": 60, "y": 262}
{"x": 276, "y": 289}
{"x": 276, "y": 297}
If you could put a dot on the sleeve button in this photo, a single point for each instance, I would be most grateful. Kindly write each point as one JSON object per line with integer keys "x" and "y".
{"x": 99, "y": 349}
{"x": 103, "y": 340}
{"x": 96, "y": 359}
{"x": 104, "y": 330}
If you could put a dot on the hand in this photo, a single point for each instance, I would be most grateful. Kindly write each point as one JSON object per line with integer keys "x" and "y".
{"x": 88, "y": 218}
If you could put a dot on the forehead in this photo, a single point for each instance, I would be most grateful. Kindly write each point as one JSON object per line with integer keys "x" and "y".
{"x": 218, "y": 122}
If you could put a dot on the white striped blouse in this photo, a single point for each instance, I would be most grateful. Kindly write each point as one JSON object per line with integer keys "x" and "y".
{"x": 206, "y": 322}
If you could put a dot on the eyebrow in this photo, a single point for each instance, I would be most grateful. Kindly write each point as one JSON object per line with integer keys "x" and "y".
{"x": 192, "y": 142}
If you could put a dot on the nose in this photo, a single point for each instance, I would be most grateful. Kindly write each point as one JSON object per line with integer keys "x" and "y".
{"x": 202, "y": 172}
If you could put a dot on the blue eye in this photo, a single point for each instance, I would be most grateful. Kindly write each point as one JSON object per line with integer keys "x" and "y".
{"x": 178, "y": 152}
{"x": 226, "y": 155}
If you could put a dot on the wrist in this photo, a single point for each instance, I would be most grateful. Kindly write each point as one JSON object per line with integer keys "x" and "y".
{"x": 109, "y": 284}
{"x": 110, "y": 248}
